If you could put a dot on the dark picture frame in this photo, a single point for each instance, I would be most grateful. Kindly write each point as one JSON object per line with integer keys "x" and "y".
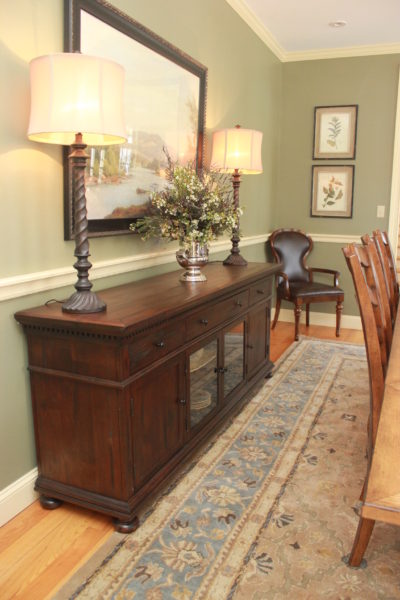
{"x": 169, "y": 83}
{"x": 332, "y": 191}
{"x": 335, "y": 132}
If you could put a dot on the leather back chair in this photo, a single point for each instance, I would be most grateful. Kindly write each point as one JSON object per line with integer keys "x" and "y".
{"x": 295, "y": 282}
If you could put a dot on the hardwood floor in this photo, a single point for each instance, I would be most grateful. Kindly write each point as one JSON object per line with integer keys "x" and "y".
{"x": 40, "y": 549}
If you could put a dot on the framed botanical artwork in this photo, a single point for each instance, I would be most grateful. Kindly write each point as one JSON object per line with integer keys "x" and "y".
{"x": 332, "y": 191}
{"x": 164, "y": 105}
{"x": 335, "y": 129}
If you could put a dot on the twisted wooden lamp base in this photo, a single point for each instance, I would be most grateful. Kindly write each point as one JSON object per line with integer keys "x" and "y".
{"x": 83, "y": 300}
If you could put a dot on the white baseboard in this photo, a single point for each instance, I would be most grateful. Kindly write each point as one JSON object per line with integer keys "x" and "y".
{"x": 319, "y": 318}
{"x": 17, "y": 496}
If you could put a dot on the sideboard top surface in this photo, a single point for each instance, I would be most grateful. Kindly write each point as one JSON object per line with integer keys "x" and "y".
{"x": 159, "y": 297}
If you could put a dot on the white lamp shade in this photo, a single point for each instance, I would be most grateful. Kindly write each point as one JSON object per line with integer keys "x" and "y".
{"x": 237, "y": 148}
{"x": 75, "y": 93}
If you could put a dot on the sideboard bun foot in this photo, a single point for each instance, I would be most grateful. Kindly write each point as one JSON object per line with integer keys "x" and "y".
{"x": 126, "y": 526}
{"x": 49, "y": 503}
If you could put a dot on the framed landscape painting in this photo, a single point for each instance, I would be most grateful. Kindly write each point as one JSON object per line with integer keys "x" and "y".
{"x": 335, "y": 130}
{"x": 164, "y": 105}
{"x": 332, "y": 191}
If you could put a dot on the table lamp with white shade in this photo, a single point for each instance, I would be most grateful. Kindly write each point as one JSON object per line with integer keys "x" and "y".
{"x": 237, "y": 151}
{"x": 77, "y": 100}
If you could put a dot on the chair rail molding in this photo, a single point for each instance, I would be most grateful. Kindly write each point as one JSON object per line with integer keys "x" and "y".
{"x": 33, "y": 283}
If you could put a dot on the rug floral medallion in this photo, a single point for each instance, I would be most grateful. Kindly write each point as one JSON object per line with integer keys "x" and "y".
{"x": 268, "y": 510}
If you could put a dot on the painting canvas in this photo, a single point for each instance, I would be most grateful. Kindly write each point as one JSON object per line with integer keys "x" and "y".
{"x": 335, "y": 132}
{"x": 332, "y": 191}
{"x": 163, "y": 105}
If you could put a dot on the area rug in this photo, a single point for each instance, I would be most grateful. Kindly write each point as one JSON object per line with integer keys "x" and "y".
{"x": 268, "y": 508}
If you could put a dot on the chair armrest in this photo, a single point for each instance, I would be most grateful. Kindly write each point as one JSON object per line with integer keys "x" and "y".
{"x": 336, "y": 274}
{"x": 285, "y": 280}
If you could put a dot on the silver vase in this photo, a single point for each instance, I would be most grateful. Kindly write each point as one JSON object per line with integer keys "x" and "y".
{"x": 192, "y": 259}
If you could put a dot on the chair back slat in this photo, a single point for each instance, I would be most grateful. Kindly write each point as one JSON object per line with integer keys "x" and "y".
{"x": 358, "y": 263}
{"x": 377, "y": 279}
{"x": 388, "y": 273}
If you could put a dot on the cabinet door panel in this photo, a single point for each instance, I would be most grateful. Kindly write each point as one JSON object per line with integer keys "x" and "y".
{"x": 257, "y": 338}
{"x": 158, "y": 416}
{"x": 203, "y": 383}
{"x": 78, "y": 430}
{"x": 233, "y": 357}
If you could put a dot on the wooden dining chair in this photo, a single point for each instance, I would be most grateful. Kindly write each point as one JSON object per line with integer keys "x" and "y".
{"x": 360, "y": 267}
{"x": 376, "y": 280}
{"x": 385, "y": 253}
{"x": 295, "y": 281}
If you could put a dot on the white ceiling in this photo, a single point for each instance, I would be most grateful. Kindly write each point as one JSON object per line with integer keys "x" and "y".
{"x": 295, "y": 29}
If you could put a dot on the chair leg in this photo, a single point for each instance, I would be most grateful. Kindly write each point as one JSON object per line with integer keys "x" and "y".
{"x": 364, "y": 530}
{"x": 297, "y": 313}
{"x": 339, "y": 308}
{"x": 307, "y": 315}
{"x": 277, "y": 309}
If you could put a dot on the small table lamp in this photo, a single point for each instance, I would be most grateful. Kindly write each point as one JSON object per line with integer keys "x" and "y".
{"x": 77, "y": 100}
{"x": 237, "y": 151}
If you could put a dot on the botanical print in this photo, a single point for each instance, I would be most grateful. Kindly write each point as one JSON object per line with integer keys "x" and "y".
{"x": 335, "y": 131}
{"x": 332, "y": 191}
{"x": 161, "y": 111}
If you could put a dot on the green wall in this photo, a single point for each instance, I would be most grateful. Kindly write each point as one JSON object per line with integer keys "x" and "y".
{"x": 244, "y": 86}
{"x": 371, "y": 82}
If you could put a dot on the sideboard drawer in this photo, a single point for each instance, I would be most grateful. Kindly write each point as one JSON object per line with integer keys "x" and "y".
{"x": 152, "y": 345}
{"x": 261, "y": 291}
{"x": 210, "y": 316}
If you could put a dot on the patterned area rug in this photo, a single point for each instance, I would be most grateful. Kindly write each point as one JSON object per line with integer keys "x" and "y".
{"x": 269, "y": 508}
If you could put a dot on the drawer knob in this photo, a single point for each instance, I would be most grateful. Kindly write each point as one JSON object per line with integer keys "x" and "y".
{"x": 204, "y": 321}
{"x": 182, "y": 401}
{"x": 238, "y": 303}
{"x": 260, "y": 292}
{"x": 160, "y": 344}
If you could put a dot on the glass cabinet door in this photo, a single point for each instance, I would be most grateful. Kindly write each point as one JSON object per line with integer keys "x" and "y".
{"x": 233, "y": 358}
{"x": 203, "y": 382}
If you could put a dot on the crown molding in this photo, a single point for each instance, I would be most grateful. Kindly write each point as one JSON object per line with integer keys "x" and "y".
{"x": 269, "y": 40}
{"x": 347, "y": 52}
{"x": 258, "y": 27}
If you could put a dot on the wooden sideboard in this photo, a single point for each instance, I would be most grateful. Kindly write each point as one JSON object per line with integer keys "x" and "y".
{"x": 121, "y": 397}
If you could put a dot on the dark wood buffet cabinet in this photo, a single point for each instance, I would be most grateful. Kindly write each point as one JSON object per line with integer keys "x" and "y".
{"x": 120, "y": 398}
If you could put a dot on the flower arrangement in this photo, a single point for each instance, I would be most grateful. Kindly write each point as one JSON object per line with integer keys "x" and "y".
{"x": 193, "y": 207}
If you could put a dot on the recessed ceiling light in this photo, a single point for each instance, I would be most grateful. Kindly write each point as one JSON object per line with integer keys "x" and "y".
{"x": 336, "y": 24}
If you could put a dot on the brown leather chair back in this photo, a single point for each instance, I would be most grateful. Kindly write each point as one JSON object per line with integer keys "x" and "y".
{"x": 291, "y": 247}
